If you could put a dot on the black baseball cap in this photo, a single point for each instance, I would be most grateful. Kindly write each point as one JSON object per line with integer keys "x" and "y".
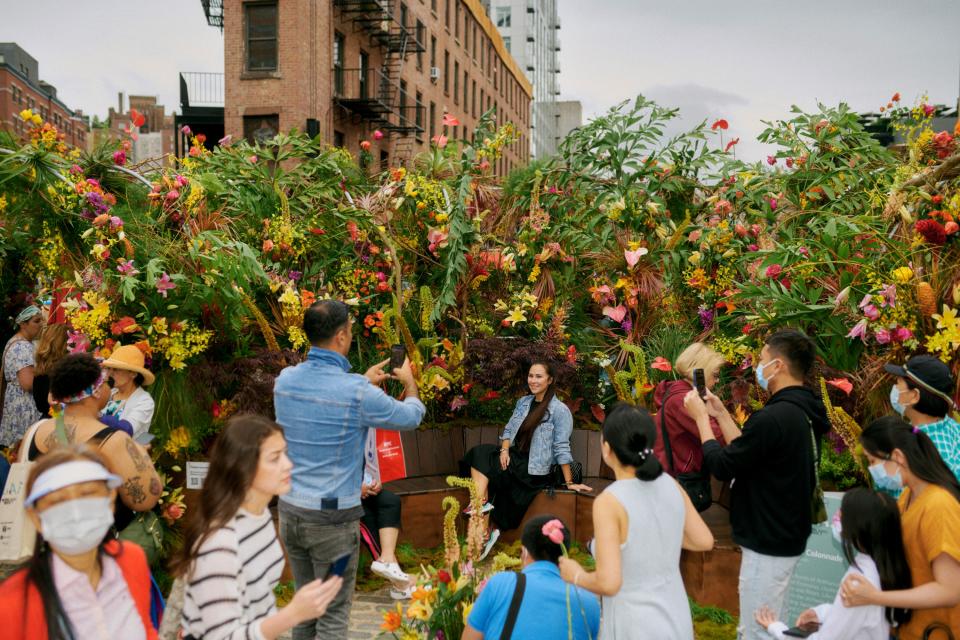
{"x": 929, "y": 373}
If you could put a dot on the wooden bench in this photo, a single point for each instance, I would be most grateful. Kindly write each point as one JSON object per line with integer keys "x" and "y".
{"x": 433, "y": 454}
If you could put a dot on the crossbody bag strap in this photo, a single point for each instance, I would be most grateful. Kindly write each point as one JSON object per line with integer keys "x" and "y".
{"x": 514, "y": 609}
{"x": 666, "y": 438}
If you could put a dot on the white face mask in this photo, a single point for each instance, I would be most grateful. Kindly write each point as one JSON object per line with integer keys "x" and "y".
{"x": 76, "y": 526}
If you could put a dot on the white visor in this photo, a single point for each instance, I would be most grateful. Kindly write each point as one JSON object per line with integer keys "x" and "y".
{"x": 64, "y": 475}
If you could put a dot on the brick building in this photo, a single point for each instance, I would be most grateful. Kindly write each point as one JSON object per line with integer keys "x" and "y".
{"x": 21, "y": 88}
{"x": 154, "y": 137}
{"x": 345, "y": 68}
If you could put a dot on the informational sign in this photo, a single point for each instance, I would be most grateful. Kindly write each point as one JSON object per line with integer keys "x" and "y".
{"x": 196, "y": 473}
{"x": 820, "y": 570}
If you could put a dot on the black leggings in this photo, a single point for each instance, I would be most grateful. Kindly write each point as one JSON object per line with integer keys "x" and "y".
{"x": 381, "y": 511}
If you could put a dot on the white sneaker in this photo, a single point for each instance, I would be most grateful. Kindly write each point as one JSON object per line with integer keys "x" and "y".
{"x": 401, "y": 594}
{"x": 389, "y": 570}
{"x": 492, "y": 540}
{"x": 486, "y": 508}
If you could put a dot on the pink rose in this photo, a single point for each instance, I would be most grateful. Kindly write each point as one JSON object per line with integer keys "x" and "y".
{"x": 774, "y": 270}
{"x": 883, "y": 336}
{"x": 554, "y": 531}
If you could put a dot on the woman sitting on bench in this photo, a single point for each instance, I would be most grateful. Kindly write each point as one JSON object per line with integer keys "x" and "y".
{"x": 537, "y": 436}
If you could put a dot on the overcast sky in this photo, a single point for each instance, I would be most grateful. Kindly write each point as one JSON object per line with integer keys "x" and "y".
{"x": 743, "y": 60}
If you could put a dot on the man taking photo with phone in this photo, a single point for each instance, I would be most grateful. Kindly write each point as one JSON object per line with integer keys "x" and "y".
{"x": 772, "y": 467}
{"x": 326, "y": 412}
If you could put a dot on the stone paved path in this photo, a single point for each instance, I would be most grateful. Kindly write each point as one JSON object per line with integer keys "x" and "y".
{"x": 366, "y": 614}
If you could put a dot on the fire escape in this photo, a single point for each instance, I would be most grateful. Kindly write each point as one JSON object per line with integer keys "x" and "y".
{"x": 374, "y": 94}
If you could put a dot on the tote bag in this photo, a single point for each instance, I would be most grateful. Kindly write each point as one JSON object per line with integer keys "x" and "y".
{"x": 17, "y": 533}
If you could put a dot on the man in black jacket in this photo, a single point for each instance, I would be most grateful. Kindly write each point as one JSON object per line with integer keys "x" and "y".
{"x": 771, "y": 466}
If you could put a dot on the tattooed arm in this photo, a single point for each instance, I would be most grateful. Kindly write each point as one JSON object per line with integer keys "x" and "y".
{"x": 141, "y": 486}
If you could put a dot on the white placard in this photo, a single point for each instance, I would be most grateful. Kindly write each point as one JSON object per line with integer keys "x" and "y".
{"x": 196, "y": 473}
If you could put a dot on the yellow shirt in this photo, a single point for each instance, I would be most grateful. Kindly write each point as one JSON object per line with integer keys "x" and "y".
{"x": 931, "y": 526}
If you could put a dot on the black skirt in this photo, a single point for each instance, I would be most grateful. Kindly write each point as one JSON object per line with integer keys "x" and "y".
{"x": 512, "y": 490}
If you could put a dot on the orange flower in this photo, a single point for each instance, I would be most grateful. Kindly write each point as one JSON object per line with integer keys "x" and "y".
{"x": 392, "y": 619}
{"x": 661, "y": 364}
{"x": 307, "y": 298}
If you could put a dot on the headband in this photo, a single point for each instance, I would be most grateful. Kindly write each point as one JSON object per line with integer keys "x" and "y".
{"x": 927, "y": 387}
{"x": 68, "y": 473}
{"x": 86, "y": 393}
{"x": 26, "y": 314}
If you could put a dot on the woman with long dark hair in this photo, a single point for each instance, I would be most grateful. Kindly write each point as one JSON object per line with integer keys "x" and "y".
{"x": 81, "y": 583}
{"x": 641, "y": 522}
{"x": 231, "y": 559}
{"x": 870, "y": 536}
{"x": 903, "y": 457}
{"x": 537, "y": 436}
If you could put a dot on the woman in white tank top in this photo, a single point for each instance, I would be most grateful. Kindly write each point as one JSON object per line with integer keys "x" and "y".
{"x": 641, "y": 522}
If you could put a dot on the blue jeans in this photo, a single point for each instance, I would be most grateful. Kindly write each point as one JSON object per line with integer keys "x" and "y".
{"x": 311, "y": 548}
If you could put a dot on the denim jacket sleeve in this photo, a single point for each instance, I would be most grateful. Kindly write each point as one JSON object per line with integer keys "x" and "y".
{"x": 377, "y": 409}
{"x": 562, "y": 430}
{"x": 519, "y": 413}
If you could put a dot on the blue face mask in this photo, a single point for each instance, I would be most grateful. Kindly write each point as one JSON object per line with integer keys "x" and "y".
{"x": 884, "y": 480}
{"x": 762, "y": 380}
{"x": 895, "y": 400}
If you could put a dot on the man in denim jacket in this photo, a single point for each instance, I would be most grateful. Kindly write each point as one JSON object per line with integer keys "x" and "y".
{"x": 326, "y": 412}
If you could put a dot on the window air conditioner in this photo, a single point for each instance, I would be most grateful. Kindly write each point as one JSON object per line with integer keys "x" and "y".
{"x": 434, "y": 73}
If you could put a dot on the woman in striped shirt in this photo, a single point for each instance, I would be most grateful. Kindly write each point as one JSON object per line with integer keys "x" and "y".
{"x": 231, "y": 558}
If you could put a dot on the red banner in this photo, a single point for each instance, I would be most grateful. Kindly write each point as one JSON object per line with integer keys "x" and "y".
{"x": 390, "y": 456}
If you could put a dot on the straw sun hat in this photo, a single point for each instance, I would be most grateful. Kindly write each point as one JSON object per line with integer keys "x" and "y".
{"x": 128, "y": 358}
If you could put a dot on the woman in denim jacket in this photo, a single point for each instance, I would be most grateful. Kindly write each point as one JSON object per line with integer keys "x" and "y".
{"x": 536, "y": 437}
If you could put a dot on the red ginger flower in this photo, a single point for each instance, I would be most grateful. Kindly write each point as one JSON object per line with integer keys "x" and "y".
{"x": 932, "y": 231}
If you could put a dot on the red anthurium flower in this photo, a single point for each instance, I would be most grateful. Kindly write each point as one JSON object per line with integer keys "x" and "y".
{"x": 661, "y": 364}
{"x": 450, "y": 121}
{"x": 137, "y": 119}
{"x": 720, "y": 124}
{"x": 896, "y": 97}
{"x": 731, "y": 144}
{"x": 841, "y": 383}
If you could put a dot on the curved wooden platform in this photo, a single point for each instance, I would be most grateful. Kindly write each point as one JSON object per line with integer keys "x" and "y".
{"x": 431, "y": 455}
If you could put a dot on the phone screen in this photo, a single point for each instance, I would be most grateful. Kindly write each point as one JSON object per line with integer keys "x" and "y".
{"x": 700, "y": 382}
{"x": 397, "y": 355}
{"x": 339, "y": 565}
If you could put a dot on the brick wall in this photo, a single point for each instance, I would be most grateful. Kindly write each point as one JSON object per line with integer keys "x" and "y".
{"x": 302, "y": 85}
{"x": 17, "y": 95}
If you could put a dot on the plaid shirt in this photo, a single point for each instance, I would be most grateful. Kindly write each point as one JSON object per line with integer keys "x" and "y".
{"x": 945, "y": 435}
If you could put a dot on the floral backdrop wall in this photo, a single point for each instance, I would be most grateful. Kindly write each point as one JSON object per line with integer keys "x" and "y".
{"x": 610, "y": 258}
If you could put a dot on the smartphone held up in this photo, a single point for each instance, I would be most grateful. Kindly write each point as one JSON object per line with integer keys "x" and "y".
{"x": 700, "y": 382}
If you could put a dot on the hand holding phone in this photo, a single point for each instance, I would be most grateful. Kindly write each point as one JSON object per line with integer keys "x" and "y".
{"x": 700, "y": 383}
{"x": 398, "y": 353}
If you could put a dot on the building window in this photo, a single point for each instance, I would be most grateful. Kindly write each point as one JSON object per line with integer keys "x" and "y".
{"x": 433, "y": 6}
{"x": 474, "y": 40}
{"x": 418, "y": 114}
{"x": 466, "y": 33}
{"x": 433, "y": 51}
{"x": 503, "y": 17}
{"x": 260, "y": 129}
{"x": 482, "y": 94}
{"x": 421, "y": 44}
{"x": 404, "y": 115}
{"x": 339, "y": 140}
{"x": 506, "y": 43}
{"x": 403, "y": 15}
{"x": 384, "y": 161}
{"x": 433, "y": 120}
{"x": 456, "y": 82}
{"x": 364, "y": 72}
{"x": 456, "y": 20}
{"x": 446, "y": 15}
{"x": 338, "y": 44}
{"x": 261, "y": 36}
{"x": 473, "y": 99}
{"x": 466, "y": 96}
{"x": 446, "y": 72}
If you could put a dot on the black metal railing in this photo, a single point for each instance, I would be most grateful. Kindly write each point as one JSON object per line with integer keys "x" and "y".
{"x": 201, "y": 89}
